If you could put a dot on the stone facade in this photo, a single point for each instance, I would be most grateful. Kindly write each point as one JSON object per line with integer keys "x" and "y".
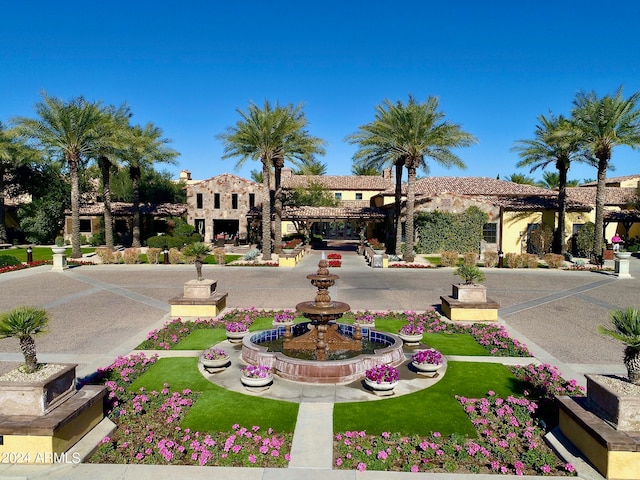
{"x": 220, "y": 205}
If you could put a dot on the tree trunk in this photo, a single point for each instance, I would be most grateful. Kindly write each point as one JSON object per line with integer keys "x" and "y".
{"x": 105, "y": 169}
{"x": 134, "y": 172}
{"x": 598, "y": 237}
{"x": 409, "y": 255}
{"x": 398, "y": 208}
{"x": 3, "y": 227}
{"x": 266, "y": 211}
{"x": 632, "y": 362}
{"x": 559, "y": 244}
{"x": 278, "y": 163}
{"x": 28, "y": 347}
{"x": 75, "y": 207}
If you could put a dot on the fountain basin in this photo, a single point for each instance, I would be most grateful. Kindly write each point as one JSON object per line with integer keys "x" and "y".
{"x": 322, "y": 372}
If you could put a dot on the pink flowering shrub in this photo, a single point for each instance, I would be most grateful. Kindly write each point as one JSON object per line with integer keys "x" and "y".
{"x": 149, "y": 432}
{"x": 509, "y": 442}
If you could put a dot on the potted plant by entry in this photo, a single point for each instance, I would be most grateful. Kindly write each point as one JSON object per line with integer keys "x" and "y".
{"x": 471, "y": 289}
{"x": 256, "y": 376}
{"x": 199, "y": 250}
{"x": 59, "y": 245}
{"x": 428, "y": 361}
{"x": 382, "y": 378}
{"x": 236, "y": 331}
{"x": 214, "y": 358}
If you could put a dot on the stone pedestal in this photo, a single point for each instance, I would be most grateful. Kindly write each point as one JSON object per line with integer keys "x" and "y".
{"x": 604, "y": 426}
{"x": 60, "y": 262}
{"x": 469, "y": 303}
{"x": 41, "y": 420}
{"x": 199, "y": 288}
{"x": 200, "y": 299}
{"x": 622, "y": 268}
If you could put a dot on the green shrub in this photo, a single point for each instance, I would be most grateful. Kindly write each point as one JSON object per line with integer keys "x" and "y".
{"x": 470, "y": 274}
{"x": 96, "y": 239}
{"x": 584, "y": 240}
{"x": 8, "y": 261}
{"x": 439, "y": 231}
{"x": 540, "y": 239}
{"x": 449, "y": 259}
{"x": 59, "y": 241}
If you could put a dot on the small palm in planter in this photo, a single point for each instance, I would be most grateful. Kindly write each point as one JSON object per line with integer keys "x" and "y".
{"x": 25, "y": 323}
{"x": 470, "y": 290}
{"x": 470, "y": 274}
{"x": 626, "y": 328}
{"x": 199, "y": 250}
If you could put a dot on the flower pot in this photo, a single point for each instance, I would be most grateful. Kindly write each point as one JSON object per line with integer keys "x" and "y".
{"x": 622, "y": 255}
{"x": 59, "y": 249}
{"x": 288, "y": 251}
{"x": 411, "y": 339}
{"x": 256, "y": 381}
{"x": 215, "y": 363}
{"x": 382, "y": 388}
{"x": 378, "y": 252}
{"x": 282, "y": 324}
{"x": 426, "y": 367}
{"x": 236, "y": 337}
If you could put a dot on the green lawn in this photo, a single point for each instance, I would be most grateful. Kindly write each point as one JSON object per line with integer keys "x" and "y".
{"x": 434, "y": 409}
{"x": 217, "y": 409}
{"x": 39, "y": 253}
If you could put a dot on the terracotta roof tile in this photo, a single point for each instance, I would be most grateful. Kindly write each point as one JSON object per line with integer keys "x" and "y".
{"x": 613, "y": 195}
{"x": 123, "y": 209}
{"x": 471, "y": 186}
{"x": 339, "y": 182}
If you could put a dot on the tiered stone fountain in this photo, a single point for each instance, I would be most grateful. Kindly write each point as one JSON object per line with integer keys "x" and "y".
{"x": 321, "y": 336}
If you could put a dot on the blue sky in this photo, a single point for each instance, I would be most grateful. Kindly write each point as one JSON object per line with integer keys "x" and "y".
{"x": 188, "y": 66}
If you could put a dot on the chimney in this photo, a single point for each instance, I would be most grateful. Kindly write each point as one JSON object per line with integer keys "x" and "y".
{"x": 286, "y": 172}
{"x": 185, "y": 175}
{"x": 386, "y": 173}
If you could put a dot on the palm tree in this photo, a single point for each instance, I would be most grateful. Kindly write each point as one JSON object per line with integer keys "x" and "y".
{"x": 521, "y": 179}
{"x": 68, "y": 131}
{"x": 145, "y": 146}
{"x": 271, "y": 135}
{"x": 13, "y": 153}
{"x": 409, "y": 133}
{"x": 604, "y": 123}
{"x": 25, "y": 323}
{"x": 113, "y": 138}
{"x": 365, "y": 171}
{"x": 311, "y": 166}
{"x": 557, "y": 142}
{"x": 626, "y": 328}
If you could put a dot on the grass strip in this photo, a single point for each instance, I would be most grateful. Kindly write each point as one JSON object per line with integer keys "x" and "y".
{"x": 434, "y": 409}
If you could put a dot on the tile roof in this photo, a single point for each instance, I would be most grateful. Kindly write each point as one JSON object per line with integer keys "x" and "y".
{"x": 471, "y": 186}
{"x": 613, "y": 195}
{"x": 613, "y": 180}
{"x": 622, "y": 215}
{"x": 333, "y": 213}
{"x": 226, "y": 177}
{"x": 340, "y": 182}
{"x": 123, "y": 209}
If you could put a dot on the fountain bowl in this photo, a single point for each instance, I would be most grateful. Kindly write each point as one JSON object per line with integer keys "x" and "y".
{"x": 322, "y": 372}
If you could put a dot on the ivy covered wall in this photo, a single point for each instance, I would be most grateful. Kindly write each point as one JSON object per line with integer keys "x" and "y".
{"x": 440, "y": 231}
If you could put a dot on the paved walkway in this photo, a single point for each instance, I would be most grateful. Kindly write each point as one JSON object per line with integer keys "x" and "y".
{"x": 100, "y": 312}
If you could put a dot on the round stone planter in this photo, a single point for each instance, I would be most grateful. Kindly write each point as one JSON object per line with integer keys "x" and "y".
{"x": 622, "y": 255}
{"x": 236, "y": 337}
{"x": 382, "y": 388}
{"x": 426, "y": 367}
{"x": 59, "y": 249}
{"x": 282, "y": 324}
{"x": 287, "y": 251}
{"x": 215, "y": 363}
{"x": 379, "y": 252}
{"x": 256, "y": 381}
{"x": 414, "y": 339}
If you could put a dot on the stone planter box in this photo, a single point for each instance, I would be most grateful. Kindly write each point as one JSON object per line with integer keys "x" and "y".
{"x": 38, "y": 397}
{"x": 469, "y": 293}
{"x": 620, "y": 409}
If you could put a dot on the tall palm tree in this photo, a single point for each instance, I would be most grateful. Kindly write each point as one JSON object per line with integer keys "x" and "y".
{"x": 25, "y": 323}
{"x": 311, "y": 166}
{"x": 409, "y": 133}
{"x": 556, "y": 142}
{"x": 520, "y": 179}
{"x": 13, "y": 153}
{"x": 145, "y": 146}
{"x": 113, "y": 141}
{"x": 604, "y": 123}
{"x": 68, "y": 131}
{"x": 271, "y": 135}
{"x": 364, "y": 170}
